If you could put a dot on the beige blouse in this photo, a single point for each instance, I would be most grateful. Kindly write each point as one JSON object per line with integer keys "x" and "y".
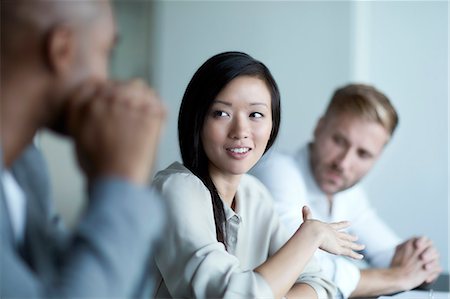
{"x": 192, "y": 263}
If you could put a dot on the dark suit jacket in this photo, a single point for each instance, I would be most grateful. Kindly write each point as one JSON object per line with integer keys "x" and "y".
{"x": 108, "y": 255}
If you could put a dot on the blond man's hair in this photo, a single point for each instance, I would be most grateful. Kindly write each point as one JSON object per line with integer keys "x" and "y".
{"x": 364, "y": 101}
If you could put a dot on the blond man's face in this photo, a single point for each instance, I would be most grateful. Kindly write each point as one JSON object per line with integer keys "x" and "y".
{"x": 345, "y": 148}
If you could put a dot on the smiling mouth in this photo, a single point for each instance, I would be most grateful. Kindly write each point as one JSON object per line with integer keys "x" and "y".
{"x": 238, "y": 152}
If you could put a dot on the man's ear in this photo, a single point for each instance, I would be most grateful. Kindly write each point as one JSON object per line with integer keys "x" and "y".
{"x": 319, "y": 126}
{"x": 59, "y": 49}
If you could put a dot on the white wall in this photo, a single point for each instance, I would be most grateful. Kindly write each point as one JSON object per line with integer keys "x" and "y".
{"x": 311, "y": 48}
{"x": 409, "y": 60}
{"x": 306, "y": 63}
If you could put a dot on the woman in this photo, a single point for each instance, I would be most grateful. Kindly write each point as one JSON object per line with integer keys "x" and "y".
{"x": 224, "y": 239}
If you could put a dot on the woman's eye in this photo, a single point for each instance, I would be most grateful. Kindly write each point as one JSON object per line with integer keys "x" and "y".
{"x": 256, "y": 115}
{"x": 219, "y": 113}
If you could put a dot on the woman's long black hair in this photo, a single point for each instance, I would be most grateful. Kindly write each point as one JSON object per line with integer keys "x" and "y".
{"x": 200, "y": 93}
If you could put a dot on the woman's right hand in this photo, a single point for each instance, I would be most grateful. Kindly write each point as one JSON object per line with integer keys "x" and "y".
{"x": 331, "y": 237}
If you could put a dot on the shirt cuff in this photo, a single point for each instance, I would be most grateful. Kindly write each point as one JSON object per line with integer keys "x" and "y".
{"x": 346, "y": 277}
{"x": 245, "y": 286}
{"x": 322, "y": 293}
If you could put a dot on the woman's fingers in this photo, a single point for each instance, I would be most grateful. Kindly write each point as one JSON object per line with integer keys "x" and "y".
{"x": 357, "y": 247}
{"x": 340, "y": 225}
{"x": 349, "y": 245}
{"x": 306, "y": 212}
{"x": 355, "y": 255}
{"x": 347, "y": 237}
{"x": 349, "y": 249}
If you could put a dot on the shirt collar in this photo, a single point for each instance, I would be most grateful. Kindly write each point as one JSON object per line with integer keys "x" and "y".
{"x": 229, "y": 213}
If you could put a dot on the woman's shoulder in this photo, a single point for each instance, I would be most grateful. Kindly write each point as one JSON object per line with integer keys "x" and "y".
{"x": 177, "y": 181}
{"x": 188, "y": 200}
{"x": 175, "y": 172}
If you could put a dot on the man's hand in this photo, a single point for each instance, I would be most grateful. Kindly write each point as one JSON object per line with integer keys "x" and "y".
{"x": 416, "y": 262}
{"x": 116, "y": 128}
{"x": 429, "y": 256}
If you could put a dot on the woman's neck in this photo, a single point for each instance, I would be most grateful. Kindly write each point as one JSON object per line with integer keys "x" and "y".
{"x": 226, "y": 186}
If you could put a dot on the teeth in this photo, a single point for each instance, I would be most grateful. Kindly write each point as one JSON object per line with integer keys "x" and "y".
{"x": 240, "y": 150}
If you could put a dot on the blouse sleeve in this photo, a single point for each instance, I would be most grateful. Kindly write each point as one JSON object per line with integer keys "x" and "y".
{"x": 192, "y": 262}
{"x": 312, "y": 274}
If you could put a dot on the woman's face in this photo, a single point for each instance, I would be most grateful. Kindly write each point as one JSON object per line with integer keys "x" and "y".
{"x": 237, "y": 127}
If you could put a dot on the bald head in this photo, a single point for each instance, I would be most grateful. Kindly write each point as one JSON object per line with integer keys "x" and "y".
{"x": 21, "y": 20}
{"x": 44, "y": 13}
{"x": 48, "y": 49}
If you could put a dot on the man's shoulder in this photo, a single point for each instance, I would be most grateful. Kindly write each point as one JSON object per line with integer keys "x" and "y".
{"x": 252, "y": 185}
{"x": 255, "y": 195}
{"x": 283, "y": 176}
{"x": 274, "y": 162}
{"x": 31, "y": 173}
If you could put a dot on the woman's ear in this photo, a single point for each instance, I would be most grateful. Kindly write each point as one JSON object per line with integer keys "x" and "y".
{"x": 59, "y": 49}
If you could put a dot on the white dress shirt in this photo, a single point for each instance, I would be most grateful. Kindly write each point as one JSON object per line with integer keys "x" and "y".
{"x": 292, "y": 184}
{"x": 192, "y": 263}
{"x": 16, "y": 205}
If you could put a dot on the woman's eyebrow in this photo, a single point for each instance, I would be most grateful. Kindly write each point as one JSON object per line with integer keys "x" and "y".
{"x": 259, "y": 104}
{"x": 222, "y": 102}
{"x": 229, "y": 104}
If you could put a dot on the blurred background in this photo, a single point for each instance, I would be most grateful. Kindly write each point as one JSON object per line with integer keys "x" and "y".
{"x": 311, "y": 48}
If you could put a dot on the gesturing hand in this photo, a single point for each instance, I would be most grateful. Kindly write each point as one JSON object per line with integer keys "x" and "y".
{"x": 332, "y": 239}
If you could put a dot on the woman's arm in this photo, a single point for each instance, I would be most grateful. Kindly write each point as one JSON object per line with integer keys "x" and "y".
{"x": 301, "y": 290}
{"x": 283, "y": 268}
{"x": 193, "y": 263}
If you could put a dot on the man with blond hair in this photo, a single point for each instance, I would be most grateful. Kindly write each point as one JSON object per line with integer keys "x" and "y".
{"x": 324, "y": 174}
{"x": 54, "y": 75}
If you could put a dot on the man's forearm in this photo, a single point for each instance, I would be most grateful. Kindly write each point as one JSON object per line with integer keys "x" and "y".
{"x": 375, "y": 282}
